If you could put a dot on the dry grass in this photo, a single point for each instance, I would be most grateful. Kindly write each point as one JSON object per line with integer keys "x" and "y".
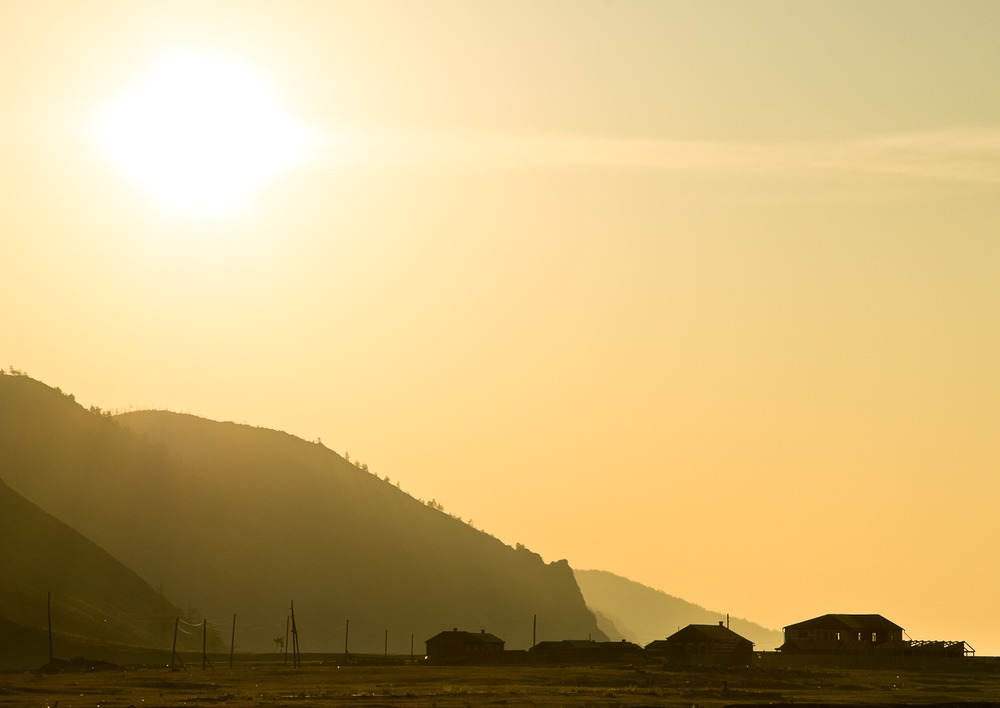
{"x": 274, "y": 686}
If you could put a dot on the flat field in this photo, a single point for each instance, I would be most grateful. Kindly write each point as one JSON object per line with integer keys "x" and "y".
{"x": 267, "y": 685}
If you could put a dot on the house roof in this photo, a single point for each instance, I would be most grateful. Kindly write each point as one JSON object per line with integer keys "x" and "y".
{"x": 858, "y": 623}
{"x": 715, "y": 632}
{"x": 585, "y": 645}
{"x": 455, "y": 635}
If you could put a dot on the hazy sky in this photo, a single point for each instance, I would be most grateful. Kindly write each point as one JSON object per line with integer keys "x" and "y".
{"x": 705, "y": 294}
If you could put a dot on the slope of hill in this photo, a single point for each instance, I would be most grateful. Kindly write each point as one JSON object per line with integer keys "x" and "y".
{"x": 643, "y": 614}
{"x": 96, "y": 602}
{"x": 230, "y": 519}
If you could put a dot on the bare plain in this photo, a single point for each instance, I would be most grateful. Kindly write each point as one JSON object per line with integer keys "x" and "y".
{"x": 267, "y": 685}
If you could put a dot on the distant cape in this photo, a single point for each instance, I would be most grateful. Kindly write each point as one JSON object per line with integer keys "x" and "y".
{"x": 642, "y": 614}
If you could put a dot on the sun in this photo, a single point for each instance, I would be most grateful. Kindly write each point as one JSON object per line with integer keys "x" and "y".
{"x": 202, "y": 134}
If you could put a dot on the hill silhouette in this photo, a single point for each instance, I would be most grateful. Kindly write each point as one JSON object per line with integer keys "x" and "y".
{"x": 643, "y": 614}
{"x": 97, "y": 604}
{"x": 230, "y": 519}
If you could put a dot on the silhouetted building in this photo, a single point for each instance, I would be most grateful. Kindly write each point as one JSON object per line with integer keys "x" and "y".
{"x": 573, "y": 651}
{"x": 832, "y": 634}
{"x": 704, "y": 644}
{"x": 456, "y": 646}
{"x": 936, "y": 647}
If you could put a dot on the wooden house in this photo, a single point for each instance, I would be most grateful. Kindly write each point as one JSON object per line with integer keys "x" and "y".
{"x": 458, "y": 646}
{"x": 831, "y": 634}
{"x": 704, "y": 644}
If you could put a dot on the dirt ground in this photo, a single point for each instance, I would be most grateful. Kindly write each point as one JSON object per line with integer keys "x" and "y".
{"x": 273, "y": 686}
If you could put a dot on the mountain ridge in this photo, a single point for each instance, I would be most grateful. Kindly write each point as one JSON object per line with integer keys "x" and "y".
{"x": 228, "y": 518}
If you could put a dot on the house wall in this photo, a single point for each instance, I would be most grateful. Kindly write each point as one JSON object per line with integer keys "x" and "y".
{"x": 771, "y": 659}
{"x": 839, "y": 637}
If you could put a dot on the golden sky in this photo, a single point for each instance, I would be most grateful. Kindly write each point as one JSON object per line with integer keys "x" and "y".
{"x": 701, "y": 293}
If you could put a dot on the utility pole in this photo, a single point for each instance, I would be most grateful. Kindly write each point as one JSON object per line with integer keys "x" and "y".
{"x": 295, "y": 640}
{"x": 174, "y": 657}
{"x": 534, "y": 628}
{"x": 204, "y": 645}
{"x": 51, "y": 658}
{"x": 347, "y": 633}
{"x": 232, "y": 642}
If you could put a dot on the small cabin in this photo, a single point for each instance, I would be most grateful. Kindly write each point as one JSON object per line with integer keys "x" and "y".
{"x": 573, "y": 651}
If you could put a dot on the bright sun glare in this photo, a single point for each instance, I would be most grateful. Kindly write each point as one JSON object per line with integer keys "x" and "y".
{"x": 201, "y": 134}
